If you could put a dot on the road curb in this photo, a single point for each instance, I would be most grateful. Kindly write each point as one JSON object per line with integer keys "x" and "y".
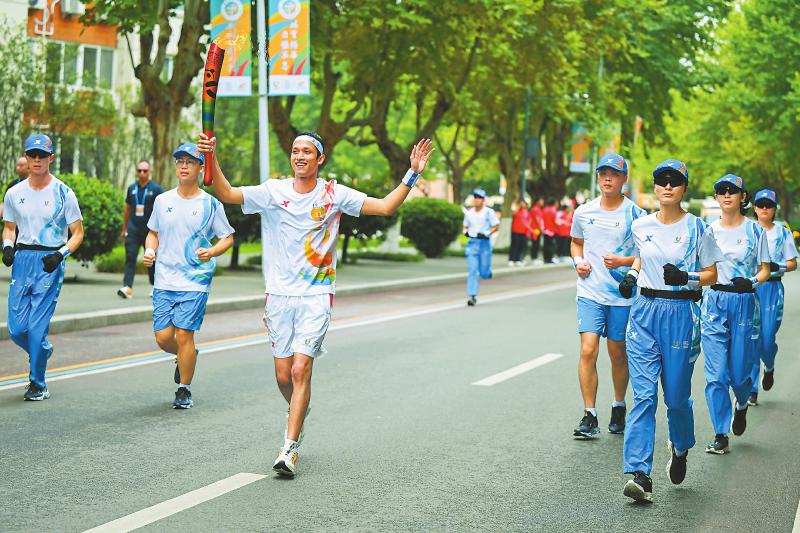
{"x": 115, "y": 317}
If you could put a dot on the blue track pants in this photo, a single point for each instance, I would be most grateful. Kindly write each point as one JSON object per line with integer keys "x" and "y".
{"x": 479, "y": 263}
{"x": 770, "y": 298}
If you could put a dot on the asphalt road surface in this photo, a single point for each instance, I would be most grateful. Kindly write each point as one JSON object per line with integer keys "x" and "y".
{"x": 401, "y": 438}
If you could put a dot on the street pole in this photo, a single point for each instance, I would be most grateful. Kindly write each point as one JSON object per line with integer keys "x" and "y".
{"x": 525, "y": 142}
{"x": 263, "y": 117}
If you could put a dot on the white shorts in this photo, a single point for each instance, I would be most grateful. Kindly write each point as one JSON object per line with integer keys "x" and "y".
{"x": 298, "y": 324}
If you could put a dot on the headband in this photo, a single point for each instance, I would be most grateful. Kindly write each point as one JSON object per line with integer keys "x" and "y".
{"x": 310, "y": 139}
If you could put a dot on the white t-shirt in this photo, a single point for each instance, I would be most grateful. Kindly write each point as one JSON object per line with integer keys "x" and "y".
{"x": 781, "y": 246}
{"x": 745, "y": 248}
{"x": 184, "y": 225}
{"x": 688, "y": 244}
{"x": 604, "y": 232}
{"x": 42, "y": 216}
{"x": 302, "y": 232}
{"x": 480, "y": 221}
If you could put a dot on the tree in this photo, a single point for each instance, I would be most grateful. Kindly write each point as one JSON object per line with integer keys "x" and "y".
{"x": 161, "y": 101}
{"x": 19, "y": 85}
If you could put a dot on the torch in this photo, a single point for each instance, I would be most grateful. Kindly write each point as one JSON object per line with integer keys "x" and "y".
{"x": 210, "y": 84}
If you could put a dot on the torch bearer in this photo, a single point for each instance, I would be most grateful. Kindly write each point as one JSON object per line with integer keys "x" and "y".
{"x": 210, "y": 84}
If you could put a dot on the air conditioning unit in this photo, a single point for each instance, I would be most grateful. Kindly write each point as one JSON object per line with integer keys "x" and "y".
{"x": 72, "y": 7}
{"x": 36, "y": 4}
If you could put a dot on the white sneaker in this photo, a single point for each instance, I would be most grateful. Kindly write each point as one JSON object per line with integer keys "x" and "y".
{"x": 511, "y": 263}
{"x": 286, "y": 462}
{"x": 302, "y": 428}
{"x": 125, "y": 292}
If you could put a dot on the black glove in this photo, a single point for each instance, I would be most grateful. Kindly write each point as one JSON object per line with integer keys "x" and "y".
{"x": 466, "y": 234}
{"x": 51, "y": 261}
{"x": 483, "y": 236}
{"x": 675, "y": 276}
{"x": 626, "y": 286}
{"x": 742, "y": 284}
{"x": 8, "y": 256}
{"x": 774, "y": 267}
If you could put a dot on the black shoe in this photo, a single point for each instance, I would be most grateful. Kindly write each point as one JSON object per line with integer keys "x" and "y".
{"x": 588, "y": 426}
{"x": 768, "y": 380}
{"x": 640, "y": 488}
{"x": 676, "y": 466}
{"x": 719, "y": 445}
{"x": 35, "y": 393}
{"x": 472, "y": 301}
{"x": 739, "y": 423}
{"x": 617, "y": 424}
{"x": 753, "y": 399}
{"x": 183, "y": 399}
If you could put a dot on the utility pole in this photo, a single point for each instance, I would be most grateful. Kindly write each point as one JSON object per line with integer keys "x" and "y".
{"x": 263, "y": 117}
{"x": 525, "y": 153}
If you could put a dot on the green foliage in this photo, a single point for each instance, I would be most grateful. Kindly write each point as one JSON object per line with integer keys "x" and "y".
{"x": 114, "y": 262}
{"x": 431, "y": 224}
{"x": 386, "y": 256}
{"x": 102, "y": 207}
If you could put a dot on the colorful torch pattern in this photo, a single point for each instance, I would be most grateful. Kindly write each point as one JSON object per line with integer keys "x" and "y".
{"x": 210, "y": 84}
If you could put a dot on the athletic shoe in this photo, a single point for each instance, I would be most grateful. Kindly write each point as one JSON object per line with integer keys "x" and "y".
{"x": 472, "y": 301}
{"x": 640, "y": 488}
{"x": 512, "y": 263}
{"x": 183, "y": 399}
{"x": 739, "y": 423}
{"x": 676, "y": 466}
{"x": 768, "y": 380}
{"x": 617, "y": 424}
{"x": 35, "y": 393}
{"x": 587, "y": 427}
{"x": 125, "y": 292}
{"x": 302, "y": 428}
{"x": 286, "y": 462}
{"x": 719, "y": 445}
{"x": 753, "y": 399}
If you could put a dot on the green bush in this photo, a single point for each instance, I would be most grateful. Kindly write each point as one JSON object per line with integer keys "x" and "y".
{"x": 102, "y": 207}
{"x": 386, "y": 256}
{"x": 431, "y": 224}
{"x": 114, "y": 262}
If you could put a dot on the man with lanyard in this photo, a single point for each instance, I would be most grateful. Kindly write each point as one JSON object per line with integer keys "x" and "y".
{"x": 602, "y": 252}
{"x": 479, "y": 224}
{"x": 184, "y": 221}
{"x": 139, "y": 202}
{"x": 301, "y": 217}
{"x": 783, "y": 258}
{"x": 46, "y": 213}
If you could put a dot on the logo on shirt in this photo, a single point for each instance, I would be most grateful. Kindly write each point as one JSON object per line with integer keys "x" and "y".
{"x": 194, "y": 213}
{"x": 739, "y": 242}
{"x": 617, "y": 224}
{"x": 22, "y": 201}
{"x": 591, "y": 221}
{"x": 46, "y": 203}
{"x": 285, "y": 203}
{"x": 169, "y": 210}
{"x": 678, "y": 239}
{"x": 648, "y": 238}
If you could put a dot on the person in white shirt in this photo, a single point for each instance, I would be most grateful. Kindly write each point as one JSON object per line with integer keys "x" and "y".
{"x": 50, "y": 224}
{"x": 301, "y": 217}
{"x": 676, "y": 255}
{"x": 602, "y": 253}
{"x": 183, "y": 222}
{"x": 730, "y": 316}
{"x": 479, "y": 224}
{"x": 783, "y": 258}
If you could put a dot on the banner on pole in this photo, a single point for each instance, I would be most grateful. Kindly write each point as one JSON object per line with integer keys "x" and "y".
{"x": 230, "y": 29}
{"x": 289, "y": 47}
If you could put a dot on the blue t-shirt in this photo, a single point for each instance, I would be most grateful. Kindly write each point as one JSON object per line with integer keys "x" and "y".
{"x": 145, "y": 196}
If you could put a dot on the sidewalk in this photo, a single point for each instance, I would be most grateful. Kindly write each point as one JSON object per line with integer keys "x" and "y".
{"x": 89, "y": 300}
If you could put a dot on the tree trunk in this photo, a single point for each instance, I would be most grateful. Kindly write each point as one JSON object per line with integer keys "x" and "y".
{"x": 344, "y": 247}
{"x": 163, "y": 127}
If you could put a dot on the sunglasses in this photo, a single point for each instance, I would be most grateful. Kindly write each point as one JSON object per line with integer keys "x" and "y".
{"x": 727, "y": 189}
{"x": 37, "y": 154}
{"x": 765, "y": 204}
{"x": 673, "y": 179}
{"x": 142, "y": 170}
{"x": 188, "y": 161}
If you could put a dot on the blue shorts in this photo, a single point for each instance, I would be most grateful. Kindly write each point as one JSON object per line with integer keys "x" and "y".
{"x": 182, "y": 309}
{"x": 605, "y": 320}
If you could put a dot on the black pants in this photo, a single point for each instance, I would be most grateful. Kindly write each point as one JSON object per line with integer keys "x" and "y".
{"x": 563, "y": 245}
{"x": 535, "y": 247}
{"x": 133, "y": 241}
{"x": 517, "y": 250}
{"x": 548, "y": 248}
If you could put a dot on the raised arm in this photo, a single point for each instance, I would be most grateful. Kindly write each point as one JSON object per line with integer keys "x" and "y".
{"x": 388, "y": 205}
{"x": 222, "y": 188}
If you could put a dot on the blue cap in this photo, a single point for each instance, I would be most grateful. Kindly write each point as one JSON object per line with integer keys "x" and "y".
{"x": 672, "y": 164}
{"x": 768, "y": 194}
{"x": 191, "y": 150}
{"x": 479, "y": 193}
{"x": 731, "y": 179}
{"x": 39, "y": 141}
{"x": 614, "y": 162}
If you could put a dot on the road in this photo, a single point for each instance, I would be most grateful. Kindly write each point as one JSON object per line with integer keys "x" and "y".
{"x": 400, "y": 437}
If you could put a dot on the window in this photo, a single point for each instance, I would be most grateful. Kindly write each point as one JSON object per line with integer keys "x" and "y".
{"x": 89, "y": 78}
{"x": 80, "y": 65}
{"x": 106, "y": 76}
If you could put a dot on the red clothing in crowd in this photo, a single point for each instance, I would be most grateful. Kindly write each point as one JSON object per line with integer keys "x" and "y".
{"x": 549, "y": 218}
{"x": 521, "y": 221}
{"x": 564, "y": 223}
{"x": 536, "y": 220}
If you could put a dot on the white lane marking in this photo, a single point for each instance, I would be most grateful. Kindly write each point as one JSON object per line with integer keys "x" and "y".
{"x": 796, "y": 528}
{"x": 334, "y": 327}
{"x": 178, "y": 504}
{"x": 519, "y": 369}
